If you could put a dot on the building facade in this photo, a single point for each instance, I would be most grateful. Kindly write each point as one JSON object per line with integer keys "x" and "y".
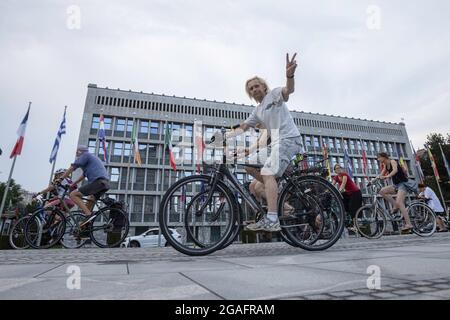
{"x": 142, "y": 186}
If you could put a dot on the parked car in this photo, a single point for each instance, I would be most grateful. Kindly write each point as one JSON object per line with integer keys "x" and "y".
{"x": 149, "y": 239}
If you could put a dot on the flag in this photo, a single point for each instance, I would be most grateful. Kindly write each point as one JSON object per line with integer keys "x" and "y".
{"x": 168, "y": 143}
{"x": 61, "y": 131}
{"x": 135, "y": 143}
{"x": 418, "y": 166}
{"x": 325, "y": 156}
{"x": 348, "y": 164}
{"x": 21, "y": 133}
{"x": 364, "y": 161}
{"x": 445, "y": 161}
{"x": 102, "y": 136}
{"x": 200, "y": 149}
{"x": 433, "y": 164}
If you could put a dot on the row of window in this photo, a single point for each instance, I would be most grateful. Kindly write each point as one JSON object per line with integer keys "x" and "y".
{"x": 230, "y": 114}
{"x": 155, "y": 128}
{"x": 311, "y": 123}
{"x": 170, "y": 107}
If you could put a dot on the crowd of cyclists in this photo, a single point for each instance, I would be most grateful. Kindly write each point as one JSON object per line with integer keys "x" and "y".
{"x": 267, "y": 160}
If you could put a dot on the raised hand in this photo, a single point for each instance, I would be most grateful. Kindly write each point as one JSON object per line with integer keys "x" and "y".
{"x": 291, "y": 65}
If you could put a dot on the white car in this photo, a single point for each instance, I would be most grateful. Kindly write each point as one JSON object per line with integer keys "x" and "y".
{"x": 149, "y": 239}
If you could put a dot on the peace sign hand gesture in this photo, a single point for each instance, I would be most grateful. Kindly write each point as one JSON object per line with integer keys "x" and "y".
{"x": 291, "y": 65}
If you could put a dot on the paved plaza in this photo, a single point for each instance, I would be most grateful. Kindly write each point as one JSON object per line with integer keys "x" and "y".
{"x": 409, "y": 267}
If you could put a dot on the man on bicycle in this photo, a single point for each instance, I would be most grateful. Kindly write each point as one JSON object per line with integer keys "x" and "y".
{"x": 98, "y": 181}
{"x": 273, "y": 114}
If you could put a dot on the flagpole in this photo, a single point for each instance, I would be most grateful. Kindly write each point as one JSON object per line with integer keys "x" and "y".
{"x": 162, "y": 174}
{"x": 5, "y": 193}
{"x": 129, "y": 168}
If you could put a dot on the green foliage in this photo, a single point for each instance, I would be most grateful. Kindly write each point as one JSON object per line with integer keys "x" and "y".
{"x": 14, "y": 196}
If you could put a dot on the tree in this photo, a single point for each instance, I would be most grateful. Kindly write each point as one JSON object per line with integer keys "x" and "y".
{"x": 432, "y": 143}
{"x": 14, "y": 196}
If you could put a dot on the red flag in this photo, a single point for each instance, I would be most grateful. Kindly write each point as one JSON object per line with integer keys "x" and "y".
{"x": 433, "y": 164}
{"x": 21, "y": 133}
{"x": 200, "y": 149}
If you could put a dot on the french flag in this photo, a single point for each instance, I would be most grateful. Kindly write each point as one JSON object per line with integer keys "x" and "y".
{"x": 21, "y": 133}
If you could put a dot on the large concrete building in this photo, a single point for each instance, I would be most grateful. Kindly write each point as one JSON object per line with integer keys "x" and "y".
{"x": 142, "y": 186}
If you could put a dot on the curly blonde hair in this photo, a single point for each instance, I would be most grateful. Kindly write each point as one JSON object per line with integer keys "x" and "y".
{"x": 261, "y": 81}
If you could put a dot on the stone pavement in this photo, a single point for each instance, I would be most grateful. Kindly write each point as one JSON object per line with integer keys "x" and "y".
{"x": 410, "y": 268}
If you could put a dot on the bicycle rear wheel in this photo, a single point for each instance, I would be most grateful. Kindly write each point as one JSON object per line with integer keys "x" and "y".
{"x": 369, "y": 222}
{"x": 17, "y": 234}
{"x": 73, "y": 238}
{"x": 109, "y": 228}
{"x": 319, "y": 215}
{"x": 202, "y": 231}
{"x": 422, "y": 218}
{"x": 45, "y": 228}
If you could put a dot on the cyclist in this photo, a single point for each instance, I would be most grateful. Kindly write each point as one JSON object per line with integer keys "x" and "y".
{"x": 427, "y": 194}
{"x": 95, "y": 172}
{"x": 401, "y": 185}
{"x": 352, "y": 195}
{"x": 274, "y": 115}
{"x": 58, "y": 189}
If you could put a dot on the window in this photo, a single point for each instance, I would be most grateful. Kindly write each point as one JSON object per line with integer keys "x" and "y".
{"x": 95, "y": 122}
{"x": 143, "y": 126}
{"x": 154, "y": 128}
{"x": 308, "y": 141}
{"x": 316, "y": 142}
{"x": 100, "y": 149}
{"x": 91, "y": 146}
{"x": 338, "y": 144}
{"x": 352, "y": 145}
{"x": 114, "y": 175}
{"x": 120, "y": 125}
{"x": 108, "y": 122}
{"x": 187, "y": 155}
{"x": 117, "y": 148}
{"x": 188, "y": 131}
{"x": 130, "y": 125}
{"x": 127, "y": 150}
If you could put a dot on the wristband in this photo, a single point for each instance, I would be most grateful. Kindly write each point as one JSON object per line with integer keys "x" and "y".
{"x": 290, "y": 77}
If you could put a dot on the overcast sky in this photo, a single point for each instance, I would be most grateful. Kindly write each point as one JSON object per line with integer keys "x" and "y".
{"x": 380, "y": 60}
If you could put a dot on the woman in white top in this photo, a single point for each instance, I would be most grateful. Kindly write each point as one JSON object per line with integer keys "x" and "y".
{"x": 427, "y": 194}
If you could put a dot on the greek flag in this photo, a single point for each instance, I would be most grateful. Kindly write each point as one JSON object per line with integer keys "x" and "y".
{"x": 348, "y": 163}
{"x": 61, "y": 131}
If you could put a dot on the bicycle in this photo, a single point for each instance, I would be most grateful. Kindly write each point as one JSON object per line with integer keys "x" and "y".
{"x": 370, "y": 220}
{"x": 205, "y": 210}
{"x": 107, "y": 227}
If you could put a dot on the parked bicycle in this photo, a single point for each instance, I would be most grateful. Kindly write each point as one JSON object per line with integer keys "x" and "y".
{"x": 371, "y": 219}
{"x": 205, "y": 209}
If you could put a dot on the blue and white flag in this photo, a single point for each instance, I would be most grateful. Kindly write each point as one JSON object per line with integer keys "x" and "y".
{"x": 61, "y": 131}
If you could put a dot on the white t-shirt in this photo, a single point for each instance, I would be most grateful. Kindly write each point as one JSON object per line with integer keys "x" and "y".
{"x": 434, "y": 203}
{"x": 273, "y": 113}
{"x": 65, "y": 183}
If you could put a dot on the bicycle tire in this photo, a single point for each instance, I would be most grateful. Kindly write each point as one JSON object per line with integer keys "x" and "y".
{"x": 164, "y": 217}
{"x": 422, "y": 218}
{"x": 324, "y": 210}
{"x": 17, "y": 235}
{"x": 365, "y": 219}
{"x": 72, "y": 231}
{"x": 115, "y": 225}
{"x": 42, "y": 220}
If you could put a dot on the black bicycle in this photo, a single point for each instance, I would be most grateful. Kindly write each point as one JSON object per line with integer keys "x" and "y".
{"x": 205, "y": 210}
{"x": 107, "y": 227}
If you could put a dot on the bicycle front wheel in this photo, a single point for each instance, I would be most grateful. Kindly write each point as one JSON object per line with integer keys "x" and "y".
{"x": 45, "y": 228}
{"x": 17, "y": 234}
{"x": 422, "y": 218}
{"x": 73, "y": 238}
{"x": 370, "y": 222}
{"x": 204, "y": 218}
